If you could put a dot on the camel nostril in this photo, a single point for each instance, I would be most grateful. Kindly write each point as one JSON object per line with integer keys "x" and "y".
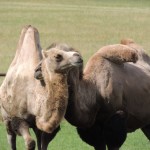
{"x": 76, "y": 54}
{"x": 80, "y": 60}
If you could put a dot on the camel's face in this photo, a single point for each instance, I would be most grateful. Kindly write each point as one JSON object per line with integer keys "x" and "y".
{"x": 59, "y": 61}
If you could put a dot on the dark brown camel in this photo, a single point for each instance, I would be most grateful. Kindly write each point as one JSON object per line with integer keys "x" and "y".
{"x": 121, "y": 88}
{"x": 95, "y": 104}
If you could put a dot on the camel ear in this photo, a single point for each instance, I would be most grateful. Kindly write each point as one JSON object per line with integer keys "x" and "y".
{"x": 44, "y": 54}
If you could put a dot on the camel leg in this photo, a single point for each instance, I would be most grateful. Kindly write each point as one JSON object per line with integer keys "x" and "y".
{"x": 100, "y": 147}
{"x": 93, "y": 136}
{"x": 47, "y": 138}
{"x": 43, "y": 138}
{"x": 146, "y": 131}
{"x": 11, "y": 136}
{"x": 12, "y": 140}
{"x": 24, "y": 131}
{"x": 115, "y": 130}
{"x": 38, "y": 134}
{"x": 111, "y": 148}
{"x": 21, "y": 127}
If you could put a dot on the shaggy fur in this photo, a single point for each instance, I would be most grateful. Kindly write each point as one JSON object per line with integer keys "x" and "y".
{"x": 21, "y": 95}
{"x": 118, "y": 54}
{"x": 106, "y": 101}
{"x": 92, "y": 101}
{"x": 117, "y": 84}
{"x": 106, "y": 88}
{"x": 143, "y": 58}
{"x": 116, "y": 89}
{"x": 94, "y": 104}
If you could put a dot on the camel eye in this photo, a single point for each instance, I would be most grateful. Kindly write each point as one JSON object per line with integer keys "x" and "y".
{"x": 59, "y": 58}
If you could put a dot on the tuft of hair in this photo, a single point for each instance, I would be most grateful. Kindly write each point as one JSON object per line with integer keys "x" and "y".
{"x": 127, "y": 41}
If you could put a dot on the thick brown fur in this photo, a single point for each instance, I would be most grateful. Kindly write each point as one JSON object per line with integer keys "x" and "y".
{"x": 106, "y": 101}
{"x": 90, "y": 109}
{"x": 116, "y": 89}
{"x": 118, "y": 53}
{"x": 143, "y": 57}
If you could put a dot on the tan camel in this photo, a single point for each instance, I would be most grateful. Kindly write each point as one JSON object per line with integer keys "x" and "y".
{"x": 23, "y": 97}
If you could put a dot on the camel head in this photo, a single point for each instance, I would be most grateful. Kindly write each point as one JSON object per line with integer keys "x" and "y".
{"x": 63, "y": 59}
{"x": 60, "y": 61}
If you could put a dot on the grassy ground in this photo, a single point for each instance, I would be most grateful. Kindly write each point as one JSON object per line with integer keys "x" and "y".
{"x": 68, "y": 139}
{"x": 86, "y": 25}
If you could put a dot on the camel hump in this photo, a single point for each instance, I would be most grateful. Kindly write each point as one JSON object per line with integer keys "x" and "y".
{"x": 127, "y": 41}
{"x": 28, "y": 49}
{"x": 142, "y": 55}
{"x": 119, "y": 53}
{"x": 133, "y": 44}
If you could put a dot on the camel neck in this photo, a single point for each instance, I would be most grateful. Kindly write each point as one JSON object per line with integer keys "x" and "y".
{"x": 54, "y": 95}
{"x": 54, "y": 99}
{"x": 82, "y": 104}
{"x": 54, "y": 81}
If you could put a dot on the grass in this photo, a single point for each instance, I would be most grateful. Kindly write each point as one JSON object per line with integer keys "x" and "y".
{"x": 68, "y": 139}
{"x": 86, "y": 25}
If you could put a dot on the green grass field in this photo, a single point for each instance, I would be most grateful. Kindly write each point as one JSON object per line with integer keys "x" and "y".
{"x": 86, "y": 25}
{"x": 68, "y": 139}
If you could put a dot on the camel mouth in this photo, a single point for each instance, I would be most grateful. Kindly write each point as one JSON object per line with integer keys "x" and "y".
{"x": 69, "y": 66}
{"x": 78, "y": 63}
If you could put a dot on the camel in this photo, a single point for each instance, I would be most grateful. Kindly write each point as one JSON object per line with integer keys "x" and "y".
{"x": 95, "y": 97}
{"x": 113, "y": 104}
{"x": 25, "y": 100}
{"x": 106, "y": 101}
{"x": 119, "y": 91}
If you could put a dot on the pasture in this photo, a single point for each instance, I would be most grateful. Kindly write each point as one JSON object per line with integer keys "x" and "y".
{"x": 86, "y": 25}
